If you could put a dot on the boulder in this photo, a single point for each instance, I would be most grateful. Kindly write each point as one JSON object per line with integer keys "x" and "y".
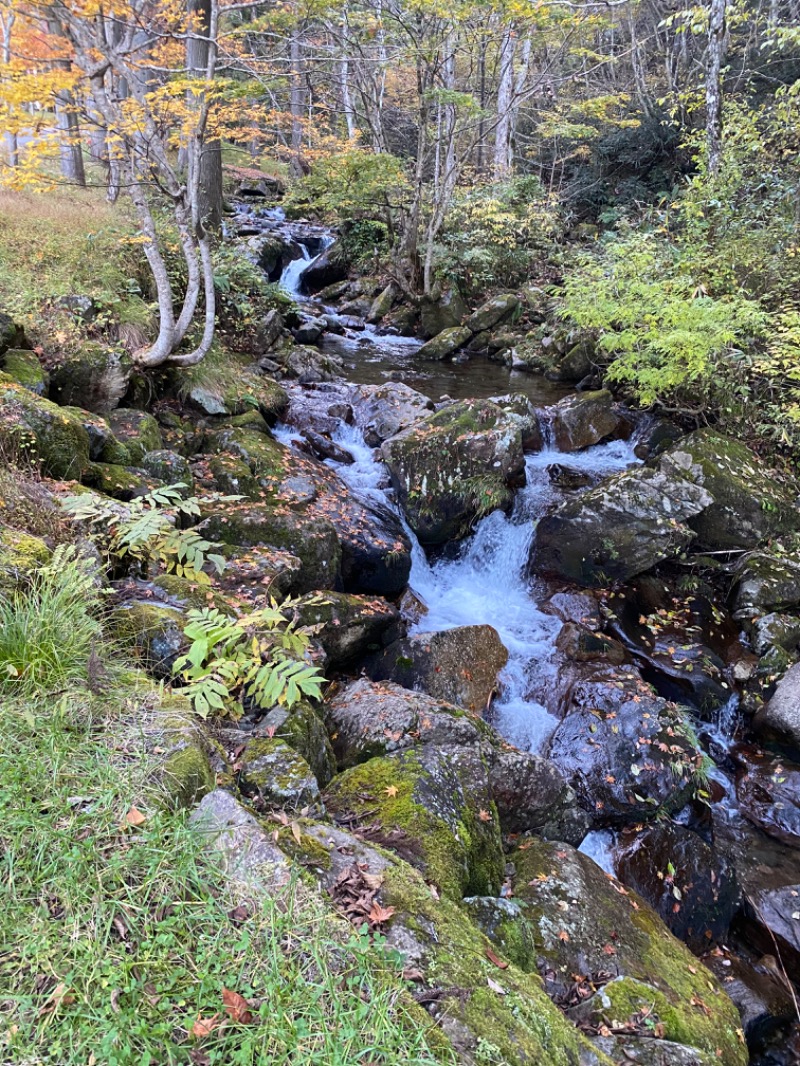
{"x": 459, "y": 665}
{"x": 780, "y": 718}
{"x": 766, "y": 581}
{"x": 492, "y": 313}
{"x": 153, "y": 631}
{"x": 585, "y": 419}
{"x": 94, "y": 377}
{"x": 768, "y": 792}
{"x": 686, "y": 881}
{"x": 441, "y": 311}
{"x": 607, "y": 957}
{"x": 759, "y": 992}
{"x": 518, "y": 408}
{"x": 138, "y": 431}
{"x": 169, "y": 467}
{"x": 455, "y": 466}
{"x": 310, "y": 330}
{"x": 367, "y": 719}
{"x": 304, "y": 731}
{"x": 383, "y": 302}
{"x": 532, "y": 796}
{"x": 12, "y": 335}
{"x": 351, "y": 626}
{"x": 629, "y": 755}
{"x": 21, "y": 555}
{"x": 277, "y": 775}
{"x": 120, "y": 482}
{"x": 243, "y": 389}
{"x": 325, "y": 448}
{"x": 583, "y": 645}
{"x": 620, "y": 528}
{"x": 184, "y": 756}
{"x": 23, "y": 366}
{"x": 748, "y": 503}
{"x": 445, "y": 344}
{"x": 328, "y": 268}
{"x": 432, "y": 806}
{"x": 35, "y": 427}
{"x": 383, "y": 411}
{"x": 775, "y": 630}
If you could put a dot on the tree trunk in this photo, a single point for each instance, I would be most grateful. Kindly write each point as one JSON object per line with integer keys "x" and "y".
{"x": 297, "y": 95}
{"x": 71, "y": 152}
{"x": 505, "y": 93}
{"x": 716, "y": 54}
{"x": 210, "y": 163}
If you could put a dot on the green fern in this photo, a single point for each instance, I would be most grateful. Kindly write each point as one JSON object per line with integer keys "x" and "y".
{"x": 260, "y": 658}
{"x": 147, "y": 531}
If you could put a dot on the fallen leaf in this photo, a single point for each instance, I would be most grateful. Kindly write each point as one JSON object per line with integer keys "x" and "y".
{"x": 203, "y": 1027}
{"x": 236, "y": 1007}
{"x": 296, "y": 831}
{"x": 563, "y": 935}
{"x": 378, "y": 914}
{"x": 495, "y": 987}
{"x": 490, "y": 955}
{"x": 135, "y": 817}
{"x": 391, "y": 791}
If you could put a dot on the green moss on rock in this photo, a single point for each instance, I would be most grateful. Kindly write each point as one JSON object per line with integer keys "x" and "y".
{"x": 35, "y": 427}
{"x": 138, "y": 431}
{"x": 21, "y": 555}
{"x": 24, "y": 367}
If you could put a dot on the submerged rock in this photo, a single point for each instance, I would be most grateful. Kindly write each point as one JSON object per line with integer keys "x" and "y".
{"x": 768, "y": 792}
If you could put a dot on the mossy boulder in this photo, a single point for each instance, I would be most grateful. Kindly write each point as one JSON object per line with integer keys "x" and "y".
{"x": 445, "y": 344}
{"x": 303, "y": 730}
{"x": 12, "y": 335}
{"x": 455, "y": 466}
{"x": 93, "y": 377}
{"x": 487, "y": 1014}
{"x": 232, "y": 476}
{"x": 350, "y": 625}
{"x": 23, "y": 366}
{"x": 35, "y": 427}
{"x": 621, "y": 528}
{"x": 243, "y": 389}
{"x": 496, "y": 311}
{"x": 585, "y": 419}
{"x": 312, "y": 540}
{"x": 440, "y": 311}
{"x": 138, "y": 431}
{"x": 183, "y": 752}
{"x": 21, "y": 555}
{"x": 151, "y": 630}
{"x": 459, "y": 665}
{"x": 264, "y": 456}
{"x": 568, "y": 917}
{"x": 170, "y": 468}
{"x": 277, "y": 774}
{"x": 432, "y": 806}
{"x": 748, "y": 502}
{"x": 256, "y": 573}
{"x": 121, "y": 482}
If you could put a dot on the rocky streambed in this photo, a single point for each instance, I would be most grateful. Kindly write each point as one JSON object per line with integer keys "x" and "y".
{"x": 558, "y": 764}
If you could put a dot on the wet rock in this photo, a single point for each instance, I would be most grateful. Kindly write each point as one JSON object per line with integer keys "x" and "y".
{"x": 94, "y": 377}
{"x": 583, "y": 931}
{"x": 432, "y": 806}
{"x": 621, "y": 528}
{"x": 564, "y": 477}
{"x": 382, "y": 411}
{"x": 412, "y": 607}
{"x": 351, "y": 625}
{"x": 768, "y": 792}
{"x": 459, "y": 665}
{"x": 324, "y": 448}
{"x": 583, "y": 420}
{"x": 518, "y": 408}
{"x": 767, "y": 581}
{"x": 327, "y": 269}
{"x": 775, "y": 910}
{"x": 780, "y": 718}
{"x": 775, "y": 630}
{"x": 495, "y": 311}
{"x": 654, "y": 436}
{"x": 578, "y": 607}
{"x": 748, "y": 504}
{"x": 691, "y": 886}
{"x": 532, "y": 797}
{"x": 277, "y": 774}
{"x": 455, "y": 466}
{"x": 759, "y": 992}
{"x": 310, "y": 330}
{"x": 367, "y": 719}
{"x": 24, "y": 367}
{"x": 628, "y": 754}
{"x": 583, "y": 645}
{"x": 445, "y": 344}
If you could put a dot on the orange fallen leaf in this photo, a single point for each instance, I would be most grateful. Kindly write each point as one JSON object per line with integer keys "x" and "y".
{"x": 490, "y": 955}
{"x": 563, "y": 935}
{"x": 484, "y": 816}
{"x": 378, "y": 914}
{"x": 204, "y": 1027}
{"x": 236, "y": 1007}
{"x": 135, "y": 817}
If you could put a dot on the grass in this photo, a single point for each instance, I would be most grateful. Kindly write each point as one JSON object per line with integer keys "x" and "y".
{"x": 117, "y": 933}
{"x": 48, "y": 627}
{"x": 65, "y": 241}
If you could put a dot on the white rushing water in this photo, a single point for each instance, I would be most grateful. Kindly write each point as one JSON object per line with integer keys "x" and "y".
{"x": 290, "y": 278}
{"x": 486, "y": 583}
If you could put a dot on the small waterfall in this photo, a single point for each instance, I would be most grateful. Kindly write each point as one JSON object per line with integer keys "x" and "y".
{"x": 290, "y": 278}
{"x": 486, "y": 583}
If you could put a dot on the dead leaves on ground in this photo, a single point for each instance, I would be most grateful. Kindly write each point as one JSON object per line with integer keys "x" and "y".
{"x": 354, "y": 892}
{"x": 235, "y": 1009}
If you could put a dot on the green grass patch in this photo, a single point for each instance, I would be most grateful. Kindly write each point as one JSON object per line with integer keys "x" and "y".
{"x": 114, "y": 940}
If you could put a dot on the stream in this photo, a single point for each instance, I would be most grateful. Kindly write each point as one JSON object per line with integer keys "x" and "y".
{"x": 485, "y": 580}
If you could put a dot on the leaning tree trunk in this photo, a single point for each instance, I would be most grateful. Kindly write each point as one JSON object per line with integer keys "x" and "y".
{"x": 716, "y": 54}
